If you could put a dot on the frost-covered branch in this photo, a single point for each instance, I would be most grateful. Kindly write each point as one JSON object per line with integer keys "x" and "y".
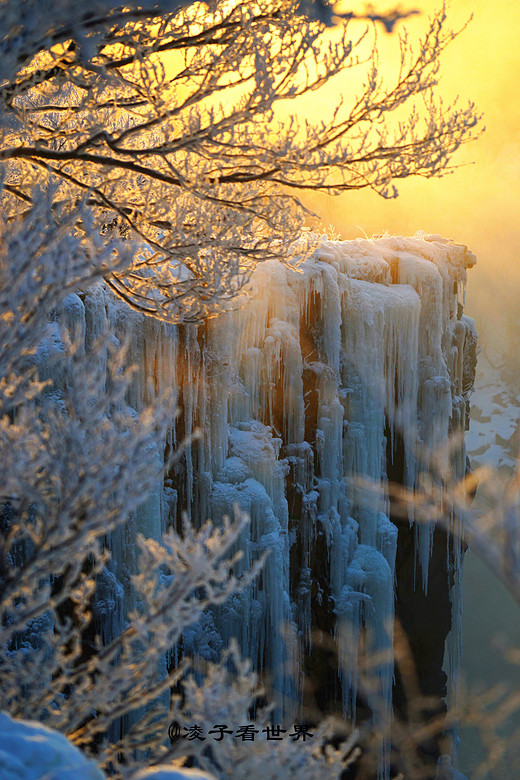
{"x": 228, "y": 693}
{"x": 28, "y": 28}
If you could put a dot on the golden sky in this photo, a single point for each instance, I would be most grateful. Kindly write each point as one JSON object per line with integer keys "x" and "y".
{"x": 478, "y": 204}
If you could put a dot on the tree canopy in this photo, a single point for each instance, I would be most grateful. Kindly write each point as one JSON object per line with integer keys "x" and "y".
{"x": 165, "y": 124}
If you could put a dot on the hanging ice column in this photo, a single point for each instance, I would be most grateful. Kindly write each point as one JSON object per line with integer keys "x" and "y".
{"x": 303, "y": 398}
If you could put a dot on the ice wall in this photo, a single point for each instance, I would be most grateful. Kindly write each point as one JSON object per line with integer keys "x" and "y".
{"x": 303, "y": 396}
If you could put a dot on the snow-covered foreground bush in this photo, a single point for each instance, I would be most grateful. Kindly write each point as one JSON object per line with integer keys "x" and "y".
{"x": 77, "y": 463}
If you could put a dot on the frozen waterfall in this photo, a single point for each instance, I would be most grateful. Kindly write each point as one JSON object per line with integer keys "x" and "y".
{"x": 303, "y": 396}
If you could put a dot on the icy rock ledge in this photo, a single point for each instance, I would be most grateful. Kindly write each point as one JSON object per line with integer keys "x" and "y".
{"x": 31, "y": 751}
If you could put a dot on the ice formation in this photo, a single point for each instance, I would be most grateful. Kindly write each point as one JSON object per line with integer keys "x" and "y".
{"x": 303, "y": 397}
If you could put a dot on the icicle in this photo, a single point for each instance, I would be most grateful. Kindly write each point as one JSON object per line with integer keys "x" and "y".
{"x": 371, "y": 582}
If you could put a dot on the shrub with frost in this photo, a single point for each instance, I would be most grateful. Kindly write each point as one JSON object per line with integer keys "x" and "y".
{"x": 76, "y": 464}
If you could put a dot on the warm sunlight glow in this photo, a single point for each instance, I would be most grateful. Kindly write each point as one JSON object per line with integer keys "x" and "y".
{"x": 479, "y": 202}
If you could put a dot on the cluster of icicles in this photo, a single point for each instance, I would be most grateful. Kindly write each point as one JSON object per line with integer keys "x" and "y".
{"x": 298, "y": 396}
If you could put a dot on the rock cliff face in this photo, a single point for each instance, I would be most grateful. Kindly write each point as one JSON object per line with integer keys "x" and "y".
{"x": 336, "y": 379}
